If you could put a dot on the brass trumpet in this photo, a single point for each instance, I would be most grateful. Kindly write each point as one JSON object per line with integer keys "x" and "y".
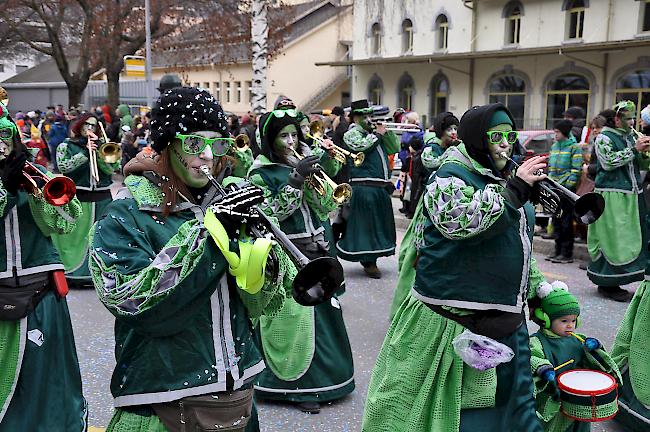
{"x": 57, "y": 191}
{"x": 341, "y": 192}
{"x": 341, "y": 154}
{"x": 317, "y": 280}
{"x": 586, "y": 208}
{"x": 640, "y": 135}
{"x": 242, "y": 142}
{"x": 109, "y": 152}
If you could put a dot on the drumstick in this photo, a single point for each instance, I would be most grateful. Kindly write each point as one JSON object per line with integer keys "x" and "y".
{"x": 577, "y": 337}
{"x": 564, "y": 364}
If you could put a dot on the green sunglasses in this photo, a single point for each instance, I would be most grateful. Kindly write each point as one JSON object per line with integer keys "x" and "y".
{"x": 196, "y": 144}
{"x": 279, "y": 113}
{"x": 6, "y": 133}
{"x": 497, "y": 137}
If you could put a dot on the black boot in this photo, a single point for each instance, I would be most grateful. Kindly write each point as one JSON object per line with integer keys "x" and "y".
{"x": 615, "y": 293}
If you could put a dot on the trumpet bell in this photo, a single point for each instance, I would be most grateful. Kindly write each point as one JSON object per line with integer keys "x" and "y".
{"x": 358, "y": 159}
{"x": 110, "y": 152}
{"x": 242, "y": 142}
{"x": 59, "y": 191}
{"x": 589, "y": 207}
{"x": 317, "y": 128}
{"x": 317, "y": 281}
{"x": 342, "y": 193}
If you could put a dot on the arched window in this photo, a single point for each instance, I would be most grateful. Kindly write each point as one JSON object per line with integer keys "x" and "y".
{"x": 575, "y": 18}
{"x": 375, "y": 90}
{"x": 510, "y": 90}
{"x": 442, "y": 32}
{"x": 635, "y": 86}
{"x": 512, "y": 12}
{"x": 438, "y": 95}
{"x": 376, "y": 39}
{"x": 407, "y": 36}
{"x": 564, "y": 91}
{"x": 405, "y": 91}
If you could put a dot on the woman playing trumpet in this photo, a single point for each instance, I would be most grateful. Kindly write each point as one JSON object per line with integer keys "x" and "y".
{"x": 41, "y": 383}
{"x": 314, "y": 340}
{"x": 75, "y": 158}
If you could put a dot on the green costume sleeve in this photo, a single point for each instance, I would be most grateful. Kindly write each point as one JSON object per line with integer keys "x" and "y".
{"x": 359, "y": 140}
{"x": 607, "y": 157}
{"x": 430, "y": 159}
{"x": 155, "y": 291}
{"x": 535, "y": 279}
{"x": 459, "y": 211}
{"x": 390, "y": 142}
{"x": 330, "y": 165}
{"x": 243, "y": 162}
{"x": 4, "y": 198}
{"x": 66, "y": 161}
{"x": 276, "y": 288}
{"x": 54, "y": 219}
{"x": 107, "y": 168}
{"x": 537, "y": 356}
{"x": 280, "y": 205}
{"x": 322, "y": 205}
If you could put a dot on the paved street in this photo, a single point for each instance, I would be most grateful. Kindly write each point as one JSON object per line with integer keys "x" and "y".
{"x": 366, "y": 306}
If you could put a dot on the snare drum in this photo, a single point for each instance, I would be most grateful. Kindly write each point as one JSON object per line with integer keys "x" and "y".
{"x": 588, "y": 395}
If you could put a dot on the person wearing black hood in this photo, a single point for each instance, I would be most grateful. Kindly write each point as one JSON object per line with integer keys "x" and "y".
{"x": 314, "y": 340}
{"x": 576, "y": 116}
{"x": 473, "y": 276}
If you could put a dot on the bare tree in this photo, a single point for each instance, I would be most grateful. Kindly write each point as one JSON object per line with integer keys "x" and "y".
{"x": 61, "y": 29}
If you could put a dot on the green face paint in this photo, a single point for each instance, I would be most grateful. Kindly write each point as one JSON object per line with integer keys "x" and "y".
{"x": 187, "y": 166}
{"x": 501, "y": 147}
{"x": 286, "y": 140}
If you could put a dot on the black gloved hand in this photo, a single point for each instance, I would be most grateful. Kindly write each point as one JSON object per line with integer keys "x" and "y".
{"x": 12, "y": 175}
{"x": 518, "y": 192}
{"x": 303, "y": 169}
{"x": 236, "y": 207}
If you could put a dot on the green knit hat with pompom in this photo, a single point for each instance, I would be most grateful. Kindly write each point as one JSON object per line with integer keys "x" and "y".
{"x": 557, "y": 301}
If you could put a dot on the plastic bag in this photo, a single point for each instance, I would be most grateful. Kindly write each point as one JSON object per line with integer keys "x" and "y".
{"x": 481, "y": 352}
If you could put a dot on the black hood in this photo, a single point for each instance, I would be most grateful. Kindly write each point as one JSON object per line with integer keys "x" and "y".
{"x": 473, "y": 132}
{"x": 271, "y": 132}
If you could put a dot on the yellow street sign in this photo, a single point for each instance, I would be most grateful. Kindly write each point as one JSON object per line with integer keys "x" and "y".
{"x": 134, "y": 66}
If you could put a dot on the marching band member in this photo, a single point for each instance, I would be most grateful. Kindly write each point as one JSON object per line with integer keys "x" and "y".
{"x": 370, "y": 231}
{"x": 73, "y": 160}
{"x": 306, "y": 349}
{"x": 557, "y": 348}
{"x": 41, "y": 383}
{"x": 163, "y": 264}
{"x": 478, "y": 217}
{"x": 618, "y": 251}
{"x": 432, "y": 156}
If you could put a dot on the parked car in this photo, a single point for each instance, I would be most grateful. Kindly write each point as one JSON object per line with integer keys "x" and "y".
{"x": 536, "y": 142}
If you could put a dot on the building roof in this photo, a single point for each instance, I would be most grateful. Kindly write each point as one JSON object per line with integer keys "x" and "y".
{"x": 193, "y": 50}
{"x": 43, "y": 72}
{"x": 432, "y": 58}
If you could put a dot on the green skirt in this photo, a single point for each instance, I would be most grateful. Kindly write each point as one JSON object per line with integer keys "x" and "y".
{"x": 370, "y": 231}
{"x": 47, "y": 395}
{"x": 419, "y": 383}
{"x": 632, "y": 414}
{"x": 408, "y": 254}
{"x": 330, "y": 374}
{"x": 73, "y": 247}
{"x": 618, "y": 250}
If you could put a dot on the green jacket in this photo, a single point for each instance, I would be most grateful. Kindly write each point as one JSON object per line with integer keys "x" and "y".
{"x": 183, "y": 327}
{"x": 28, "y": 223}
{"x": 376, "y": 148}
{"x": 301, "y": 212}
{"x": 73, "y": 161}
{"x": 618, "y": 162}
{"x": 471, "y": 225}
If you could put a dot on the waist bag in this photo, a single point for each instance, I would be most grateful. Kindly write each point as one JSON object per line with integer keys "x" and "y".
{"x": 227, "y": 411}
{"x": 17, "y": 301}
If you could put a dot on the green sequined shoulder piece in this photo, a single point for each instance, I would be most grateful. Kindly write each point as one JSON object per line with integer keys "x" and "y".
{"x": 144, "y": 192}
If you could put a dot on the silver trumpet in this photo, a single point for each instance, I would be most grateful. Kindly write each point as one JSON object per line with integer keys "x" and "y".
{"x": 317, "y": 280}
{"x": 586, "y": 208}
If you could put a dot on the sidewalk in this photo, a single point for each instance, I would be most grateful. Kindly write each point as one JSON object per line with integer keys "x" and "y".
{"x": 540, "y": 245}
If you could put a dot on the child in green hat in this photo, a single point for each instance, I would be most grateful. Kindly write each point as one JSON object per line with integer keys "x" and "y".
{"x": 556, "y": 348}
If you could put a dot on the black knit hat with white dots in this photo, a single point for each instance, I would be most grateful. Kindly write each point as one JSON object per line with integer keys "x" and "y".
{"x": 185, "y": 110}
